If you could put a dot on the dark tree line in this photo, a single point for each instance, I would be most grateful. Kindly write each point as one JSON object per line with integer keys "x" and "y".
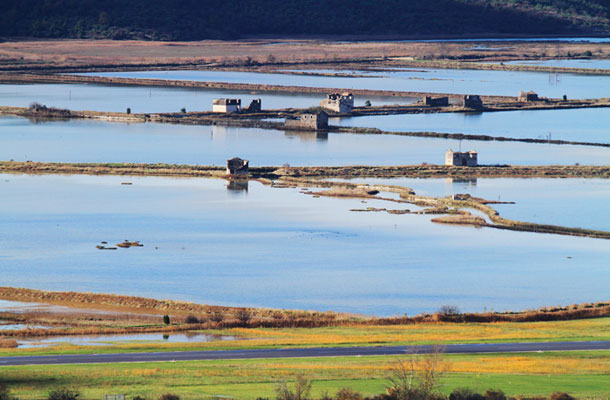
{"x": 203, "y": 19}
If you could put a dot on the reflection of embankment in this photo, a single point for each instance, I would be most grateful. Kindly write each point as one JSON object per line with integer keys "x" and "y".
{"x": 262, "y": 120}
{"x": 311, "y": 177}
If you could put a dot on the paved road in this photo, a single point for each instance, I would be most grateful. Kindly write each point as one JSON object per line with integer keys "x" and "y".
{"x": 292, "y": 353}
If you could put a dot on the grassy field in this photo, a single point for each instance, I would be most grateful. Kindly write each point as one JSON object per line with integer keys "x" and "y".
{"x": 579, "y": 373}
{"x": 413, "y": 334}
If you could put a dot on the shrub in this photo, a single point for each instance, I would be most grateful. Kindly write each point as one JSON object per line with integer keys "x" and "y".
{"x": 302, "y": 388}
{"x": 191, "y": 319}
{"x": 561, "y": 396}
{"x": 169, "y": 396}
{"x": 465, "y": 394}
{"x": 128, "y": 111}
{"x": 367, "y": 103}
{"x": 243, "y": 316}
{"x": 64, "y": 394}
{"x": 448, "y": 310}
{"x": 138, "y": 397}
{"x": 166, "y": 320}
{"x": 5, "y": 392}
{"x": 216, "y": 316}
{"x": 493, "y": 394}
{"x": 183, "y": 110}
{"x": 348, "y": 394}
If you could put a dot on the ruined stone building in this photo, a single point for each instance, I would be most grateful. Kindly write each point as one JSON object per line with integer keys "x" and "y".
{"x": 461, "y": 159}
{"x": 436, "y": 102}
{"x": 255, "y": 106}
{"x": 338, "y": 102}
{"x": 308, "y": 121}
{"x": 226, "y": 105}
{"x": 472, "y": 101}
{"x": 528, "y": 96}
{"x": 237, "y": 166}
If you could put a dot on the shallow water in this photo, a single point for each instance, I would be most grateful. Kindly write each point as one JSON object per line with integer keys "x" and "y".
{"x": 582, "y": 124}
{"x": 459, "y": 81}
{"x": 12, "y": 327}
{"x": 573, "y": 63}
{"x": 573, "y": 202}
{"x": 92, "y": 141}
{"x": 152, "y": 99}
{"x": 277, "y": 248}
{"x": 139, "y": 338}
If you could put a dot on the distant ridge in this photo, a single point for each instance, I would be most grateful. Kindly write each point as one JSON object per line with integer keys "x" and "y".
{"x": 206, "y": 19}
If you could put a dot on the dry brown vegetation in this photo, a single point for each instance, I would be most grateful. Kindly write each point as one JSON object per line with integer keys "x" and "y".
{"x": 149, "y": 54}
{"x": 126, "y": 314}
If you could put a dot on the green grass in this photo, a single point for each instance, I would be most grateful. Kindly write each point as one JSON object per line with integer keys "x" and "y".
{"x": 413, "y": 334}
{"x": 580, "y": 373}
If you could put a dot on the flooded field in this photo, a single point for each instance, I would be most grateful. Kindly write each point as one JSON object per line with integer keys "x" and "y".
{"x": 573, "y": 63}
{"x": 92, "y": 141}
{"x": 109, "y": 340}
{"x": 582, "y": 125}
{"x": 459, "y": 81}
{"x": 248, "y": 245}
{"x": 569, "y": 202}
{"x": 152, "y": 99}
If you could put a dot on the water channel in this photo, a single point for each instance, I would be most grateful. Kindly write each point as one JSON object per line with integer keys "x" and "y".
{"x": 22, "y": 139}
{"x": 459, "y": 81}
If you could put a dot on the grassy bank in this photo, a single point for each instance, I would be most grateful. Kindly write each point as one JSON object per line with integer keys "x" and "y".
{"x": 580, "y": 373}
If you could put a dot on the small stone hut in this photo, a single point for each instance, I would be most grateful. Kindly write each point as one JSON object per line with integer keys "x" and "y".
{"x": 338, "y": 102}
{"x": 226, "y": 105}
{"x": 237, "y": 166}
{"x": 317, "y": 121}
{"x": 528, "y": 96}
{"x": 461, "y": 159}
{"x": 472, "y": 101}
{"x": 436, "y": 102}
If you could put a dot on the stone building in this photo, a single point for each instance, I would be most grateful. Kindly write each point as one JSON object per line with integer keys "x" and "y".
{"x": 255, "y": 106}
{"x": 528, "y": 96}
{"x": 461, "y": 159}
{"x": 436, "y": 102}
{"x": 316, "y": 121}
{"x": 226, "y": 105}
{"x": 472, "y": 101}
{"x": 237, "y": 166}
{"x": 338, "y": 102}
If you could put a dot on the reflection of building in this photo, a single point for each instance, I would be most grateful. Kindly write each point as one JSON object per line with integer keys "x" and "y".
{"x": 465, "y": 181}
{"x": 459, "y": 159}
{"x": 308, "y": 121}
{"x": 307, "y": 135}
{"x": 338, "y": 102}
{"x": 237, "y": 166}
{"x": 226, "y": 105}
{"x": 237, "y": 185}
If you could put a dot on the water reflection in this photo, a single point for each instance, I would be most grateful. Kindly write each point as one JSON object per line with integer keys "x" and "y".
{"x": 96, "y": 141}
{"x": 237, "y": 186}
{"x": 459, "y": 81}
{"x": 307, "y": 135}
{"x": 280, "y": 248}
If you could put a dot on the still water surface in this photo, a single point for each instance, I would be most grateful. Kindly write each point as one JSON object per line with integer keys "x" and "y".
{"x": 459, "y": 81}
{"x": 582, "y": 124}
{"x": 276, "y": 248}
{"x": 93, "y": 141}
{"x": 573, "y": 202}
{"x": 573, "y": 63}
{"x": 152, "y": 99}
